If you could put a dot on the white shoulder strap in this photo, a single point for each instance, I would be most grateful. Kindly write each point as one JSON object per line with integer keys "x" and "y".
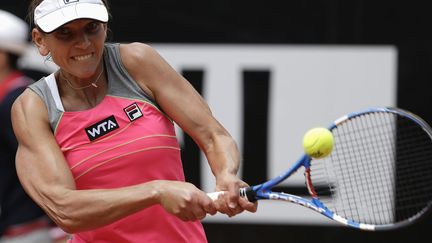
{"x": 52, "y": 85}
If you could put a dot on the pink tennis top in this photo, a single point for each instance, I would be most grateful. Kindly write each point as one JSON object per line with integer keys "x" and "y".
{"x": 125, "y": 140}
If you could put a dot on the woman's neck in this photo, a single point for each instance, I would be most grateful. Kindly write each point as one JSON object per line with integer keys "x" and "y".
{"x": 83, "y": 98}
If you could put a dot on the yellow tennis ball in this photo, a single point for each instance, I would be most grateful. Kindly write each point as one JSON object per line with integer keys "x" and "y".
{"x": 318, "y": 142}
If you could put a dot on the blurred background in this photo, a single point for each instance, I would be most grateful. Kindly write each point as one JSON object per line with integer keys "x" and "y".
{"x": 272, "y": 69}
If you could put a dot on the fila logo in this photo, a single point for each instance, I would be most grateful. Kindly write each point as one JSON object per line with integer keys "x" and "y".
{"x": 101, "y": 128}
{"x": 133, "y": 112}
{"x": 70, "y": 1}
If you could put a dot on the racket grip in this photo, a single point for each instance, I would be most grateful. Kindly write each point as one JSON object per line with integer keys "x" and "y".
{"x": 245, "y": 192}
{"x": 215, "y": 195}
{"x": 248, "y": 193}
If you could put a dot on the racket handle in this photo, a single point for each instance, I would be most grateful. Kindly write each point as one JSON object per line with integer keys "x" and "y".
{"x": 245, "y": 192}
{"x": 215, "y": 195}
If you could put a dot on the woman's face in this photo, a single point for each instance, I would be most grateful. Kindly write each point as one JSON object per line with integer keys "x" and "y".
{"x": 76, "y": 47}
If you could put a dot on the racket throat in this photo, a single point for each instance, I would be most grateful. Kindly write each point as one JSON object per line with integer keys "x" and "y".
{"x": 309, "y": 185}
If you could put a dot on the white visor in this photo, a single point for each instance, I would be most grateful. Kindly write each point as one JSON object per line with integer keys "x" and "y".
{"x": 51, "y": 14}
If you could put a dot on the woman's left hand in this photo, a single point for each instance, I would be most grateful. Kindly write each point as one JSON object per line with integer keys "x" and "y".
{"x": 230, "y": 203}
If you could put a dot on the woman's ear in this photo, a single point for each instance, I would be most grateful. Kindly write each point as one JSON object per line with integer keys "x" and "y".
{"x": 39, "y": 40}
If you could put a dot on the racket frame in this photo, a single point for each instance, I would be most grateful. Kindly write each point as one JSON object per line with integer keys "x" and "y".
{"x": 263, "y": 191}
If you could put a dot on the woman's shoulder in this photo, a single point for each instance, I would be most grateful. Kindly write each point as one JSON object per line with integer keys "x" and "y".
{"x": 28, "y": 100}
{"x": 137, "y": 51}
{"x": 30, "y": 119}
{"x": 136, "y": 46}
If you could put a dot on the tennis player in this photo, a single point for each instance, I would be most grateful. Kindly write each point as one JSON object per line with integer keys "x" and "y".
{"x": 97, "y": 146}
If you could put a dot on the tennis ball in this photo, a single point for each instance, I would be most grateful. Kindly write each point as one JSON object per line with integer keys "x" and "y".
{"x": 318, "y": 142}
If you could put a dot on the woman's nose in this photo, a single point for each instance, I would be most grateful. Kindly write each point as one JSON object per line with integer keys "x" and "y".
{"x": 83, "y": 41}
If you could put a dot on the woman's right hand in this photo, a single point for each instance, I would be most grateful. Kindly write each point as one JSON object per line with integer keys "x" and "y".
{"x": 184, "y": 200}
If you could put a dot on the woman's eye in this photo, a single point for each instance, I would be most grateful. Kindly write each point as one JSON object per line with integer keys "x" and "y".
{"x": 63, "y": 33}
{"x": 93, "y": 27}
{"x": 64, "y": 30}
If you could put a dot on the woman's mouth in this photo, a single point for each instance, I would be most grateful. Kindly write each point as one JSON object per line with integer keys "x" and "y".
{"x": 83, "y": 57}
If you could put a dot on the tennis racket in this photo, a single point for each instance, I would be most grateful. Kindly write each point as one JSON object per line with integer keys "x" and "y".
{"x": 378, "y": 176}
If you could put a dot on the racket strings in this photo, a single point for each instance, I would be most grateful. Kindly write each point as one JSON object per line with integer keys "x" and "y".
{"x": 359, "y": 139}
{"x": 380, "y": 171}
{"x": 414, "y": 183}
{"x": 384, "y": 205}
{"x": 373, "y": 174}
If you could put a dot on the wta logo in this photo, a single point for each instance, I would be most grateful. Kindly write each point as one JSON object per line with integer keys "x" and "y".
{"x": 102, "y": 128}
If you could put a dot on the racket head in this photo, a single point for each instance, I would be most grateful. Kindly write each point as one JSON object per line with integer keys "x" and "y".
{"x": 379, "y": 174}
